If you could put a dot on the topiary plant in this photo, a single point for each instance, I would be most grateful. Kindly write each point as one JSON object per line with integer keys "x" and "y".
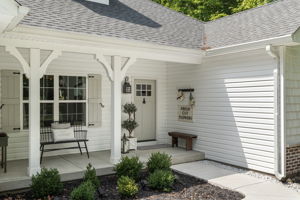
{"x": 46, "y": 183}
{"x": 130, "y": 167}
{"x": 130, "y": 124}
{"x": 161, "y": 180}
{"x": 127, "y": 187}
{"x": 85, "y": 191}
{"x": 159, "y": 160}
{"x": 130, "y": 109}
{"x": 90, "y": 175}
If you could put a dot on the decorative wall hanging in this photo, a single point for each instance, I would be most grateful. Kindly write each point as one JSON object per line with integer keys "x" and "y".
{"x": 180, "y": 96}
{"x": 185, "y": 113}
{"x": 192, "y": 100}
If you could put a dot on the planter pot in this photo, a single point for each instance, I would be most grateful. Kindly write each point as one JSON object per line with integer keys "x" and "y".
{"x": 132, "y": 143}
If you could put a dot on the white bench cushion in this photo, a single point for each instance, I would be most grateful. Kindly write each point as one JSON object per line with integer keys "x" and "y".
{"x": 66, "y": 134}
{"x": 60, "y": 125}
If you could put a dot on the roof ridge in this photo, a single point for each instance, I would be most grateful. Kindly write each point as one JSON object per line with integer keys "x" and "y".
{"x": 180, "y": 13}
{"x": 245, "y": 11}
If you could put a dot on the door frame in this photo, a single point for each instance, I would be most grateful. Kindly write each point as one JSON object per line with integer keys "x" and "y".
{"x": 133, "y": 78}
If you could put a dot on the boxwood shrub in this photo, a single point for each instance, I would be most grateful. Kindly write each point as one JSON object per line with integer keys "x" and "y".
{"x": 161, "y": 180}
{"x": 85, "y": 191}
{"x": 90, "y": 175}
{"x": 46, "y": 183}
{"x": 130, "y": 167}
{"x": 159, "y": 161}
{"x": 127, "y": 187}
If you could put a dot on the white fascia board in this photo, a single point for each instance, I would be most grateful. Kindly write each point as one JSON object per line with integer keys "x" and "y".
{"x": 286, "y": 40}
{"x": 36, "y": 37}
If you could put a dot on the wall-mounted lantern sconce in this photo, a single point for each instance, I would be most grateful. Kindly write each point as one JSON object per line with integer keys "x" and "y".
{"x": 126, "y": 86}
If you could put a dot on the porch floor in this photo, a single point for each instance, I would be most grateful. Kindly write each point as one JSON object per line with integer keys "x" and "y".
{"x": 72, "y": 166}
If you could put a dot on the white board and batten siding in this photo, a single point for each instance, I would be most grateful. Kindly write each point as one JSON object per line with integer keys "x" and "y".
{"x": 234, "y": 111}
{"x": 84, "y": 64}
{"x": 292, "y": 83}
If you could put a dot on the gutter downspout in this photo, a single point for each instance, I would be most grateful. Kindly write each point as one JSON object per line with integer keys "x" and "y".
{"x": 279, "y": 111}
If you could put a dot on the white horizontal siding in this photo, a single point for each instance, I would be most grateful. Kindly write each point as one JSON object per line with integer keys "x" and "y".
{"x": 82, "y": 64}
{"x": 234, "y": 111}
{"x": 293, "y": 95}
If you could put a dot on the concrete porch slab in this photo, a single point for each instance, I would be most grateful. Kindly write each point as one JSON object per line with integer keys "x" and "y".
{"x": 72, "y": 166}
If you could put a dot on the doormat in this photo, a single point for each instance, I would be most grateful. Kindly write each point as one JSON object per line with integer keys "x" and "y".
{"x": 157, "y": 146}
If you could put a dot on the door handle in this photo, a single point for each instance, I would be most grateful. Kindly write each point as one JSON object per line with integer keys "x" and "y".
{"x": 144, "y": 101}
{"x": 2, "y": 105}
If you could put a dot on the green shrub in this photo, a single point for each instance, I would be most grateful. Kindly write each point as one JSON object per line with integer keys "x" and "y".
{"x": 45, "y": 183}
{"x": 130, "y": 167}
{"x": 161, "y": 180}
{"x": 159, "y": 161}
{"x": 127, "y": 187}
{"x": 85, "y": 191}
{"x": 90, "y": 175}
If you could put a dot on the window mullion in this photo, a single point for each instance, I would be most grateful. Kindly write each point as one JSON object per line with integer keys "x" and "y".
{"x": 56, "y": 98}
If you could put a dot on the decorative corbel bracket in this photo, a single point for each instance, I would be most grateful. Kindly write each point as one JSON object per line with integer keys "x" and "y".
{"x": 15, "y": 52}
{"x": 126, "y": 66}
{"x": 100, "y": 58}
{"x": 55, "y": 54}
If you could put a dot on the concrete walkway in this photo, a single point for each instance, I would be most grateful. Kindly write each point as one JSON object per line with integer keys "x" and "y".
{"x": 253, "y": 188}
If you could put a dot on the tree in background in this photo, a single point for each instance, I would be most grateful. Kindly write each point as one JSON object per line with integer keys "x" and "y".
{"x": 247, "y": 4}
{"x": 207, "y": 10}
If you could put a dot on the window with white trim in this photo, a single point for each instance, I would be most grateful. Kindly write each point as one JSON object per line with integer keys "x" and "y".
{"x": 72, "y": 99}
{"x": 63, "y": 98}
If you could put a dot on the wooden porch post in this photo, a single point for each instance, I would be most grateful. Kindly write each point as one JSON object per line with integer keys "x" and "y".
{"x": 34, "y": 112}
{"x": 116, "y": 110}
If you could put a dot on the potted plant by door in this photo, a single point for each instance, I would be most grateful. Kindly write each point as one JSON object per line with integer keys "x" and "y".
{"x": 130, "y": 124}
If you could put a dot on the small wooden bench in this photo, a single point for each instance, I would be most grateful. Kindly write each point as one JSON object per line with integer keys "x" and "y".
{"x": 188, "y": 138}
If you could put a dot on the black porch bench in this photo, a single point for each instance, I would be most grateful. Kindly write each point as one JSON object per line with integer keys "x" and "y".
{"x": 47, "y": 138}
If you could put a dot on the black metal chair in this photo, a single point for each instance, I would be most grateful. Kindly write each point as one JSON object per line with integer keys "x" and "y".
{"x": 80, "y": 135}
{"x": 3, "y": 145}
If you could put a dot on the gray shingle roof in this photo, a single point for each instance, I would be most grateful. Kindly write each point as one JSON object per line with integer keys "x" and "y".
{"x": 147, "y": 21}
{"x": 273, "y": 20}
{"x": 141, "y": 20}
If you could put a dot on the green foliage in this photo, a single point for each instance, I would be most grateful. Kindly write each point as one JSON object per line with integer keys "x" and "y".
{"x": 161, "y": 180}
{"x": 85, "y": 191}
{"x": 90, "y": 175}
{"x": 206, "y": 10}
{"x": 46, "y": 183}
{"x": 129, "y": 108}
{"x": 127, "y": 187}
{"x": 130, "y": 167}
{"x": 247, "y": 4}
{"x": 129, "y": 125}
{"x": 159, "y": 161}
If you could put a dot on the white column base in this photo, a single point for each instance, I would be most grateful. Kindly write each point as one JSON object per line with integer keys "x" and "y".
{"x": 33, "y": 171}
{"x": 115, "y": 160}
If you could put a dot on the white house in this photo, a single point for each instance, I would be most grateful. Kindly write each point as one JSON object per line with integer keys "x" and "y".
{"x": 244, "y": 69}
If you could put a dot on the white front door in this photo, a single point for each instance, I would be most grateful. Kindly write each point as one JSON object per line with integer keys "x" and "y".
{"x": 145, "y": 100}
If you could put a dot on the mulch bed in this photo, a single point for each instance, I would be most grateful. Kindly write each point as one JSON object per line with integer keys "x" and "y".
{"x": 185, "y": 188}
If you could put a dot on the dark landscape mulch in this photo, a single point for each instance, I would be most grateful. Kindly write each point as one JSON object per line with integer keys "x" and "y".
{"x": 185, "y": 188}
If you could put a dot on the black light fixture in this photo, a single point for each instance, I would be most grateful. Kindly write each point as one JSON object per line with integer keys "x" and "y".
{"x": 126, "y": 86}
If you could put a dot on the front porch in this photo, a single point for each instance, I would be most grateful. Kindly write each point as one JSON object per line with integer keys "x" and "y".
{"x": 72, "y": 166}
